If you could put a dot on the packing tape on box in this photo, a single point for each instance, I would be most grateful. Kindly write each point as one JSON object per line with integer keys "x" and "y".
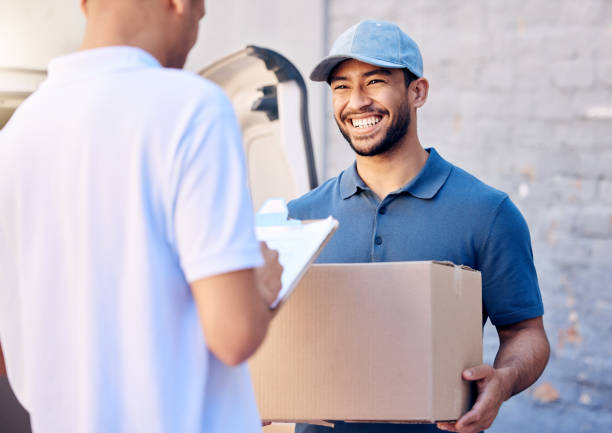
{"x": 457, "y": 281}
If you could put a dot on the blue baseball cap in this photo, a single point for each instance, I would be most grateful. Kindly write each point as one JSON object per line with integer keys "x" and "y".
{"x": 378, "y": 43}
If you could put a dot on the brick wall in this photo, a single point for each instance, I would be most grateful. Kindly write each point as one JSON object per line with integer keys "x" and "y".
{"x": 521, "y": 96}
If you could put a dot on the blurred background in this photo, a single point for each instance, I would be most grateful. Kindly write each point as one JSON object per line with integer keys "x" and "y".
{"x": 520, "y": 96}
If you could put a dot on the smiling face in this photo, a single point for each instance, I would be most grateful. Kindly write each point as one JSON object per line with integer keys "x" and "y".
{"x": 370, "y": 105}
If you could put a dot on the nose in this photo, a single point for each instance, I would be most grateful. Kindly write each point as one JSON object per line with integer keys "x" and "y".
{"x": 358, "y": 99}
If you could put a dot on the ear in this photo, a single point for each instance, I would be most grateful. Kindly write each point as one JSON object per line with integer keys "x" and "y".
{"x": 418, "y": 92}
{"x": 84, "y": 7}
{"x": 178, "y": 6}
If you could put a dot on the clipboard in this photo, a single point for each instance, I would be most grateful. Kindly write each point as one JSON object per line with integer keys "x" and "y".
{"x": 298, "y": 243}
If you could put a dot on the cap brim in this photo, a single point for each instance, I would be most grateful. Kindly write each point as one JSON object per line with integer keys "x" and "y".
{"x": 326, "y": 66}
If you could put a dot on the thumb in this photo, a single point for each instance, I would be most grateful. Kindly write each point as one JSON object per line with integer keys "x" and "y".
{"x": 478, "y": 372}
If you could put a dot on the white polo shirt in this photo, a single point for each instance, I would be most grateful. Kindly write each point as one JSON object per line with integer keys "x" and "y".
{"x": 120, "y": 182}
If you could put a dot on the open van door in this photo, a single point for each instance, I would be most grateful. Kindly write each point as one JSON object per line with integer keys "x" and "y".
{"x": 269, "y": 96}
{"x": 15, "y": 86}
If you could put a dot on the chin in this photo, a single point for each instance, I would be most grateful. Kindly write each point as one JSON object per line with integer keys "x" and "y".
{"x": 373, "y": 150}
{"x": 374, "y": 147}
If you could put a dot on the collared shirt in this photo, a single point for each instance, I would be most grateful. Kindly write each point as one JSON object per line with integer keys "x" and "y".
{"x": 120, "y": 183}
{"x": 444, "y": 213}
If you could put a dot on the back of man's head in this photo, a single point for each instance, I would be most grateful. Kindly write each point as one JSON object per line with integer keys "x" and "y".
{"x": 167, "y": 29}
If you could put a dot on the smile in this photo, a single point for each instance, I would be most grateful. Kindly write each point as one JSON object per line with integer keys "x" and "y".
{"x": 366, "y": 122}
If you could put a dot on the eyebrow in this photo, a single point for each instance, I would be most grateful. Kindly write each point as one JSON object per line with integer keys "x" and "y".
{"x": 376, "y": 72}
{"x": 336, "y": 78}
{"x": 366, "y": 74}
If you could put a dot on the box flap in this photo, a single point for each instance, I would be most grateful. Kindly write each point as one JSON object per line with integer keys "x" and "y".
{"x": 451, "y": 264}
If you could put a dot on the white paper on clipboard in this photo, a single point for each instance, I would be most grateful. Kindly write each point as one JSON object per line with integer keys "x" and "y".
{"x": 298, "y": 243}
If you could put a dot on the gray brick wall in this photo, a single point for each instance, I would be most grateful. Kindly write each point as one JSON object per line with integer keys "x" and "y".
{"x": 521, "y": 96}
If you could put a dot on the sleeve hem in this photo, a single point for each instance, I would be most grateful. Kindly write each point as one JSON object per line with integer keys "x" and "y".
{"x": 518, "y": 316}
{"x": 208, "y": 266}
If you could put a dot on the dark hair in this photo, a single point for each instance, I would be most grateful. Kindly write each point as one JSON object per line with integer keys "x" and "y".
{"x": 409, "y": 77}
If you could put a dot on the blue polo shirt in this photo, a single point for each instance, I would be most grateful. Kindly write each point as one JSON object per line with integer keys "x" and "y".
{"x": 444, "y": 213}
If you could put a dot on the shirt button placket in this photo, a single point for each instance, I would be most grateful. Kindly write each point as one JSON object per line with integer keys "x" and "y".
{"x": 377, "y": 251}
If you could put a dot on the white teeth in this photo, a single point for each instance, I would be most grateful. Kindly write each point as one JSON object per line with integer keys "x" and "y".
{"x": 365, "y": 123}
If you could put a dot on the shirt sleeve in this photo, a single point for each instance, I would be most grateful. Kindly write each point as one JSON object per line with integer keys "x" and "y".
{"x": 212, "y": 218}
{"x": 509, "y": 281}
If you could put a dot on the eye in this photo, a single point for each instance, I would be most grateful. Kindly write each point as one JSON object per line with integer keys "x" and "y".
{"x": 340, "y": 87}
{"x": 375, "y": 81}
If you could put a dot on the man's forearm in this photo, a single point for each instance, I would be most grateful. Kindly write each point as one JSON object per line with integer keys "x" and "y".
{"x": 523, "y": 354}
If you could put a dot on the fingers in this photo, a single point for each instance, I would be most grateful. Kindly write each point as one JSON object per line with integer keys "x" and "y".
{"x": 265, "y": 250}
{"x": 484, "y": 411}
{"x": 268, "y": 254}
{"x": 485, "y": 403}
{"x": 489, "y": 400}
{"x": 471, "y": 418}
{"x": 474, "y": 427}
{"x": 479, "y": 372}
{"x": 447, "y": 426}
{"x": 475, "y": 423}
{"x": 269, "y": 275}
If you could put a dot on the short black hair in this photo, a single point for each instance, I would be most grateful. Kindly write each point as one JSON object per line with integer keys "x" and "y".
{"x": 409, "y": 77}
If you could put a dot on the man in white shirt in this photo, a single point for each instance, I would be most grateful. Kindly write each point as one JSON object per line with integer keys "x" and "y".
{"x": 131, "y": 283}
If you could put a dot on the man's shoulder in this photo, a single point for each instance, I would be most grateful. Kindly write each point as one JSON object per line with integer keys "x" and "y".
{"x": 183, "y": 79}
{"x": 183, "y": 86}
{"x": 481, "y": 205}
{"x": 472, "y": 191}
{"x": 318, "y": 202}
{"x": 179, "y": 100}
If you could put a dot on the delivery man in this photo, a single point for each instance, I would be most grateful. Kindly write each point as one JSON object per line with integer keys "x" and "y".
{"x": 401, "y": 202}
{"x": 131, "y": 286}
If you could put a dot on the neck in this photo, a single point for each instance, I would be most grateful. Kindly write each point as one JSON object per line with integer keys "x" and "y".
{"x": 386, "y": 173}
{"x": 112, "y": 28}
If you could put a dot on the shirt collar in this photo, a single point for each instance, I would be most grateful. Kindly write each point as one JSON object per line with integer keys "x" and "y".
{"x": 425, "y": 185}
{"x": 432, "y": 177}
{"x": 351, "y": 182}
{"x": 88, "y": 63}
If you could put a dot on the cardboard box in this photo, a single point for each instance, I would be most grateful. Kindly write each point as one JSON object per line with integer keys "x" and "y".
{"x": 375, "y": 342}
